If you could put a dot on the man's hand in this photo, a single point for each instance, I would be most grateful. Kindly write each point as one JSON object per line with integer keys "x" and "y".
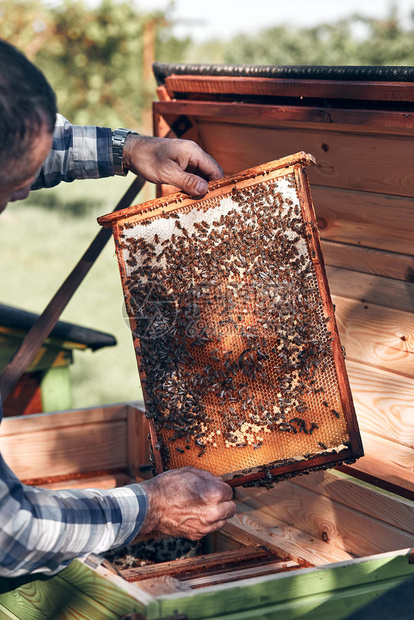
{"x": 187, "y": 502}
{"x": 176, "y": 162}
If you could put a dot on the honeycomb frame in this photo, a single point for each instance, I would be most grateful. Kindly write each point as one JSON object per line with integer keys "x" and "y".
{"x": 234, "y": 330}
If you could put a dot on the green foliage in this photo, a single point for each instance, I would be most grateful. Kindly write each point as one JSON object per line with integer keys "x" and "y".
{"x": 98, "y": 59}
{"x": 356, "y": 40}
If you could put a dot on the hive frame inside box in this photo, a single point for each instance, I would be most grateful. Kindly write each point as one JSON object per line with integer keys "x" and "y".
{"x": 293, "y": 165}
{"x": 355, "y": 536}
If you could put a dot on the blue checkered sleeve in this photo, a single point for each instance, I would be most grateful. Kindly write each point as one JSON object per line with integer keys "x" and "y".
{"x": 78, "y": 152}
{"x": 41, "y": 530}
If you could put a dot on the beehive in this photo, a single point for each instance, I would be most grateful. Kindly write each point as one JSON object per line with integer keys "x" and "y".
{"x": 234, "y": 330}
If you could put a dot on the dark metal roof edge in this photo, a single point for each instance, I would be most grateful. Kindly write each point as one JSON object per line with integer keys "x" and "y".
{"x": 303, "y": 72}
{"x": 17, "y": 318}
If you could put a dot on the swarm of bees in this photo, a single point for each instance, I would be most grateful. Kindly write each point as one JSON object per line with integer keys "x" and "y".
{"x": 232, "y": 343}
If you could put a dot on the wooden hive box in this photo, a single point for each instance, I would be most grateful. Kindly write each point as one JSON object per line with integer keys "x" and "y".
{"x": 325, "y": 544}
{"x": 334, "y": 541}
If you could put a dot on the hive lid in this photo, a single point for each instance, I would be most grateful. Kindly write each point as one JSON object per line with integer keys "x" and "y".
{"x": 234, "y": 330}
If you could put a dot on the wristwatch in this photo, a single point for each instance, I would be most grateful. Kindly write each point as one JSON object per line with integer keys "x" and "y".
{"x": 118, "y": 141}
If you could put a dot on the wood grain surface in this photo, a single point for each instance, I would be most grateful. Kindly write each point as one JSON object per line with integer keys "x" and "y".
{"x": 371, "y": 289}
{"x": 376, "y": 335}
{"x": 209, "y": 564}
{"x": 326, "y": 520}
{"x": 62, "y": 419}
{"x": 263, "y": 528}
{"x": 386, "y": 464}
{"x": 242, "y": 573}
{"x": 65, "y": 443}
{"x": 368, "y": 260}
{"x": 66, "y": 451}
{"x": 365, "y": 218}
{"x": 384, "y": 403}
{"x": 37, "y": 601}
{"x": 282, "y": 87}
{"x": 165, "y": 584}
{"x": 356, "y": 494}
{"x": 362, "y": 162}
{"x": 295, "y": 116}
{"x": 105, "y": 587}
{"x": 313, "y": 593}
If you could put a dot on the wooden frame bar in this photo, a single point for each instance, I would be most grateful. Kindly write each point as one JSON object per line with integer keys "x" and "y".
{"x": 279, "y": 87}
{"x": 385, "y": 121}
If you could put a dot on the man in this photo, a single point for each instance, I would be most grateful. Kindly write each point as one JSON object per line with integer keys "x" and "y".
{"x": 41, "y": 530}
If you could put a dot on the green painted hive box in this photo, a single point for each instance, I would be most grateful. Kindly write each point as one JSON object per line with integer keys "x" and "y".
{"x": 46, "y": 384}
{"x": 318, "y": 546}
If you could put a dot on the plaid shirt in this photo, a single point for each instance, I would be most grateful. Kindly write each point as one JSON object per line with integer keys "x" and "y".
{"x": 41, "y": 531}
{"x": 77, "y": 153}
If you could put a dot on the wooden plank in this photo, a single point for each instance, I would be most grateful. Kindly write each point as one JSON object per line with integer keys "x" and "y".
{"x": 384, "y": 403}
{"x": 159, "y": 586}
{"x": 282, "y": 87}
{"x": 210, "y": 564}
{"x": 242, "y": 573}
{"x": 372, "y": 163}
{"x": 222, "y": 541}
{"x": 280, "y": 114}
{"x": 287, "y": 589}
{"x": 344, "y": 527}
{"x": 257, "y": 526}
{"x": 338, "y": 605}
{"x": 365, "y": 218}
{"x": 137, "y": 438}
{"x": 73, "y": 417}
{"x": 66, "y": 450}
{"x": 376, "y": 335}
{"x": 342, "y": 488}
{"x": 371, "y": 289}
{"x": 53, "y": 599}
{"x": 106, "y": 588}
{"x": 386, "y": 464}
{"x": 7, "y": 615}
{"x": 368, "y": 260}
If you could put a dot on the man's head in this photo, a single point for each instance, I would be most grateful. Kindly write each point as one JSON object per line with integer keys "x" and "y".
{"x": 27, "y": 118}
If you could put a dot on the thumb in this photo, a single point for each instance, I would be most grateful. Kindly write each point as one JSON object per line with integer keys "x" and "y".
{"x": 190, "y": 183}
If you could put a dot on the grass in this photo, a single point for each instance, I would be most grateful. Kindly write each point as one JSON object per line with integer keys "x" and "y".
{"x": 41, "y": 239}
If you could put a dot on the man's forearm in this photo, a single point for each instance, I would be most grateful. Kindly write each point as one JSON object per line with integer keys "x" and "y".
{"x": 43, "y": 530}
{"x": 78, "y": 152}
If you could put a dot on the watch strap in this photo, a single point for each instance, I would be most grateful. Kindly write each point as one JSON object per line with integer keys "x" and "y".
{"x": 118, "y": 142}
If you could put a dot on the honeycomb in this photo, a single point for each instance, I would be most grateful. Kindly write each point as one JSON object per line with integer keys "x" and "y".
{"x": 233, "y": 345}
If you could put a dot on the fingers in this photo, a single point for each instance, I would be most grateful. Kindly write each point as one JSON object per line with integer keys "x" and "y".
{"x": 217, "y": 526}
{"x": 194, "y": 159}
{"x": 222, "y": 512}
{"x": 217, "y": 487}
{"x": 196, "y": 168}
{"x": 176, "y": 162}
{"x": 189, "y": 183}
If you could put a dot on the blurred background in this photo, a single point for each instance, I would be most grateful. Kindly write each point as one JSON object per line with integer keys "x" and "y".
{"x": 98, "y": 54}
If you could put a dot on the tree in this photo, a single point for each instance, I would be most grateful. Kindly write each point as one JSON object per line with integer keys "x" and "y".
{"x": 93, "y": 57}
